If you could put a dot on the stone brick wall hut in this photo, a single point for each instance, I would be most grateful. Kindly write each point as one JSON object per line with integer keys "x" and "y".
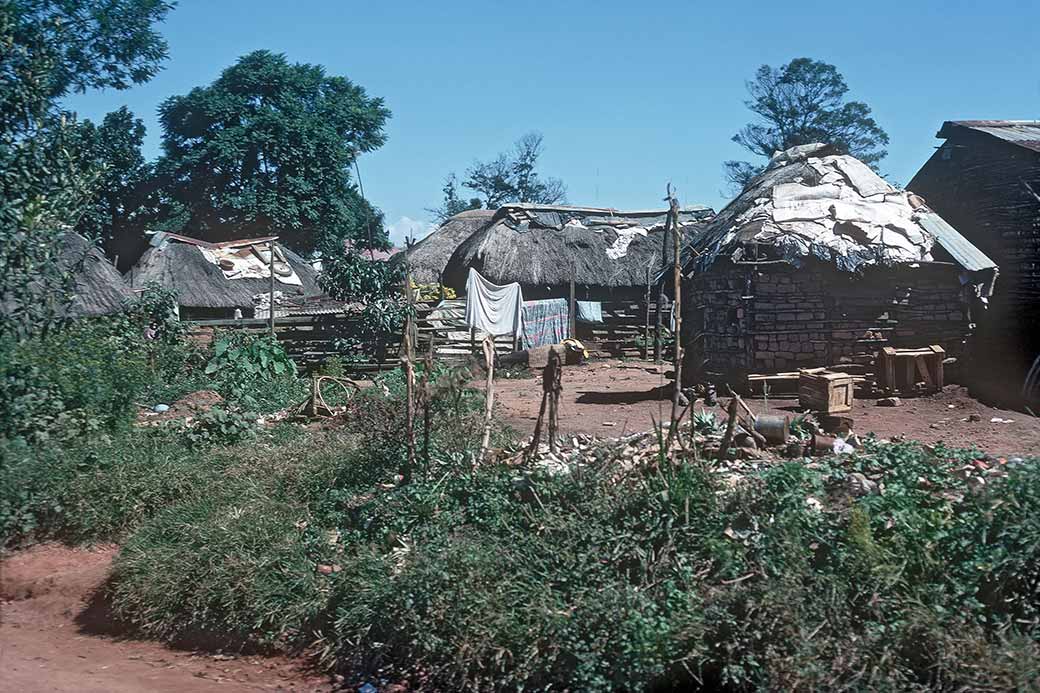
{"x": 820, "y": 262}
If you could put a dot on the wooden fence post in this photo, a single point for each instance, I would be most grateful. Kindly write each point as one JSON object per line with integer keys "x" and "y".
{"x": 646, "y": 321}
{"x": 555, "y": 368}
{"x": 572, "y": 311}
{"x": 270, "y": 306}
{"x": 489, "y": 398}
{"x": 673, "y": 214}
{"x": 409, "y": 373}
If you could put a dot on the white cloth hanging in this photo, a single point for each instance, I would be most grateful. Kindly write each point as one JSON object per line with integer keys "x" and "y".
{"x": 491, "y": 308}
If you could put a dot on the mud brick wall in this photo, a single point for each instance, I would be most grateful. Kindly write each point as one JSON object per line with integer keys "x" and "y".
{"x": 773, "y": 317}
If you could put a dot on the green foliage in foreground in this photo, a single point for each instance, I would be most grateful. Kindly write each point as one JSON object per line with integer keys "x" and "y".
{"x": 510, "y": 578}
{"x": 495, "y": 579}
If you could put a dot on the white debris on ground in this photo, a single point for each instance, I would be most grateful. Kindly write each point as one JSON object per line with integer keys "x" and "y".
{"x": 641, "y": 452}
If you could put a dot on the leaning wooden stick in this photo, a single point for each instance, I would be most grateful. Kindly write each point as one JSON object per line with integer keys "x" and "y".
{"x": 731, "y": 424}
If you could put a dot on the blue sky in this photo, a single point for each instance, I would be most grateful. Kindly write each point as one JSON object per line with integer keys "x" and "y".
{"x": 628, "y": 95}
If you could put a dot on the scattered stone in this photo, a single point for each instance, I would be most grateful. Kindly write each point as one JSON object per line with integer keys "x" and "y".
{"x": 610, "y": 423}
{"x": 973, "y": 417}
{"x": 997, "y": 419}
{"x": 889, "y": 402}
{"x": 860, "y": 485}
{"x": 743, "y": 440}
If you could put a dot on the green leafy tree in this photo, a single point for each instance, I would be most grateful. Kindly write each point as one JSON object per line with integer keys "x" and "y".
{"x": 124, "y": 200}
{"x": 452, "y": 203}
{"x": 510, "y": 177}
{"x": 804, "y": 102}
{"x": 268, "y": 148}
{"x": 49, "y": 49}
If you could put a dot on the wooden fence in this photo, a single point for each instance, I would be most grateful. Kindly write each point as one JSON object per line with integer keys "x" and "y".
{"x": 310, "y": 339}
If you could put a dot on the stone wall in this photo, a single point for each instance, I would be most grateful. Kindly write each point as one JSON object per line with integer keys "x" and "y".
{"x": 773, "y": 317}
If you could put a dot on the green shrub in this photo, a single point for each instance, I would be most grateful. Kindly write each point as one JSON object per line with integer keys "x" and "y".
{"x": 220, "y": 426}
{"x": 254, "y": 372}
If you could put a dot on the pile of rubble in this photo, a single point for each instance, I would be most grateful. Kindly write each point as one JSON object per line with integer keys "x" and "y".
{"x": 700, "y": 442}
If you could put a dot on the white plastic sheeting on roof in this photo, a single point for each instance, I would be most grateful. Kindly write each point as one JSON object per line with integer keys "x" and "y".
{"x": 833, "y": 207}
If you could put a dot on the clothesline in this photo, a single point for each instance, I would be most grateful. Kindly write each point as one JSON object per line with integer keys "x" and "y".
{"x": 501, "y": 310}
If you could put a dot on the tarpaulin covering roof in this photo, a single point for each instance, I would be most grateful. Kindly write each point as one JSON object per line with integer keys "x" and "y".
{"x": 1023, "y": 133}
{"x": 543, "y": 245}
{"x": 813, "y": 203}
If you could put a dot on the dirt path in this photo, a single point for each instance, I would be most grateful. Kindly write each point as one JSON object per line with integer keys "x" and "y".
{"x": 57, "y": 635}
{"x": 610, "y": 398}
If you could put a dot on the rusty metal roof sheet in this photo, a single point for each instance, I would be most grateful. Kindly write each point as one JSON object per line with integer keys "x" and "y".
{"x": 960, "y": 248}
{"x": 1023, "y": 133}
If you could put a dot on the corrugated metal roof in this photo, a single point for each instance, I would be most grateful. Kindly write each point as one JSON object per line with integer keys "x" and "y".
{"x": 964, "y": 253}
{"x": 1024, "y": 133}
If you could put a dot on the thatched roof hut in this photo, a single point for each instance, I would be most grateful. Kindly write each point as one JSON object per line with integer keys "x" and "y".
{"x": 429, "y": 256}
{"x": 99, "y": 288}
{"x": 203, "y": 288}
{"x": 605, "y": 251}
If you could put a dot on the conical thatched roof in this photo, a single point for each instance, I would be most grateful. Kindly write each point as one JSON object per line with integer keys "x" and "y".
{"x": 177, "y": 263}
{"x": 548, "y": 245}
{"x": 811, "y": 203}
{"x": 99, "y": 288}
{"x": 429, "y": 256}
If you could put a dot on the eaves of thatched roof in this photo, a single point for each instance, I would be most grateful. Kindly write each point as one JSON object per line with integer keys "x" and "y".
{"x": 177, "y": 263}
{"x": 539, "y": 245}
{"x": 812, "y": 203}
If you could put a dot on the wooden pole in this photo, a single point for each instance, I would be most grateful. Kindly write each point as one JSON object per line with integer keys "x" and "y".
{"x": 556, "y": 372}
{"x": 646, "y": 321}
{"x": 731, "y": 424}
{"x": 427, "y": 396}
{"x": 673, "y": 213}
{"x": 660, "y": 292}
{"x": 489, "y": 398}
{"x": 573, "y": 310}
{"x": 270, "y": 306}
{"x": 409, "y": 372}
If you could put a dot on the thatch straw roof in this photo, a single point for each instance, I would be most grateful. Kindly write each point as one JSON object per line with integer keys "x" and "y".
{"x": 811, "y": 203}
{"x": 429, "y": 256}
{"x": 99, "y": 288}
{"x": 177, "y": 263}
{"x": 547, "y": 246}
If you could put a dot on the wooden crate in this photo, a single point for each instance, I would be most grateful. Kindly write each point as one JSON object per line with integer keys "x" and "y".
{"x": 909, "y": 372}
{"x": 825, "y": 391}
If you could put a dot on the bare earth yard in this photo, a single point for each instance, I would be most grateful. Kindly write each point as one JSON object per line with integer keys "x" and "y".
{"x": 610, "y": 398}
{"x": 56, "y": 635}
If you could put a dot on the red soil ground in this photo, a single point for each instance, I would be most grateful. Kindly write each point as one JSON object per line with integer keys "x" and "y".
{"x": 611, "y": 398}
{"x": 56, "y": 634}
